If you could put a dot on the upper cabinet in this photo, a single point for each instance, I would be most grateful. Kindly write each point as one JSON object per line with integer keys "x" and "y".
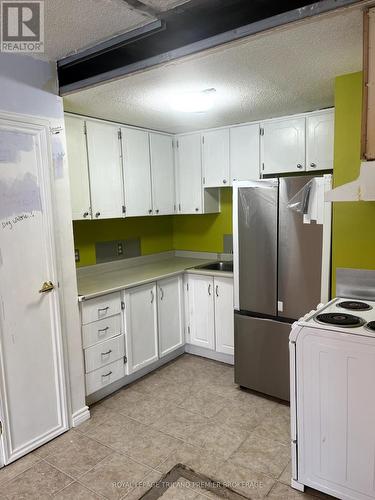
{"x": 283, "y": 145}
{"x": 104, "y": 155}
{"x": 319, "y": 140}
{"x": 78, "y": 167}
{"x": 216, "y": 158}
{"x": 162, "y": 174}
{"x": 136, "y": 171}
{"x": 244, "y": 144}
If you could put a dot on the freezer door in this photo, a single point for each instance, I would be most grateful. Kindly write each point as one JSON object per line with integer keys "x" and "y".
{"x": 261, "y": 353}
{"x": 257, "y": 247}
{"x": 300, "y": 254}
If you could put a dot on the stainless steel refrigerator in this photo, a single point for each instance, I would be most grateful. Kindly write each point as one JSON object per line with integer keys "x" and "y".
{"x": 281, "y": 271}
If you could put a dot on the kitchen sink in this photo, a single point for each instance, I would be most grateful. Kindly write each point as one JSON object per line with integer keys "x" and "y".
{"x": 226, "y": 266}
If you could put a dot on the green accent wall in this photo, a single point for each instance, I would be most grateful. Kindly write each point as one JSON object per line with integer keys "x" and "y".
{"x": 353, "y": 237}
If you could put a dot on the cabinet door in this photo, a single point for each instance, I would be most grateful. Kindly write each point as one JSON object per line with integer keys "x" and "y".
{"x": 224, "y": 315}
{"x": 137, "y": 173}
{"x": 162, "y": 174}
{"x": 78, "y": 168}
{"x": 216, "y": 158}
{"x": 104, "y": 153}
{"x": 245, "y": 152}
{"x": 170, "y": 315}
{"x": 189, "y": 174}
{"x": 141, "y": 326}
{"x": 283, "y": 146}
{"x": 319, "y": 142}
{"x": 201, "y": 311}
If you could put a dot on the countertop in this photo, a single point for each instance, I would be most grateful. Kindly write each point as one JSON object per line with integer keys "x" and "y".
{"x": 98, "y": 283}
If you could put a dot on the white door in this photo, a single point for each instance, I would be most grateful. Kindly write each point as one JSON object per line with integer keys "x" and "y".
{"x": 170, "y": 314}
{"x": 141, "y": 332}
{"x": 319, "y": 142}
{"x": 32, "y": 383}
{"x": 216, "y": 158}
{"x": 224, "y": 315}
{"x": 245, "y": 152}
{"x": 189, "y": 174}
{"x": 78, "y": 167}
{"x": 104, "y": 153}
{"x": 336, "y": 412}
{"x": 162, "y": 173}
{"x": 137, "y": 174}
{"x": 201, "y": 311}
{"x": 283, "y": 146}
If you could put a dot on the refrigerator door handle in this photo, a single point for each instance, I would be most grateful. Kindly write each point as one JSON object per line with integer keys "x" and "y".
{"x": 306, "y": 199}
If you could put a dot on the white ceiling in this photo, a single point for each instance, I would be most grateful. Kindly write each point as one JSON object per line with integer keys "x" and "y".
{"x": 287, "y": 71}
{"x": 71, "y": 25}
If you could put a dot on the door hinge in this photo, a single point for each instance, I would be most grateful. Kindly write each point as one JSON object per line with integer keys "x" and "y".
{"x": 187, "y": 286}
{"x": 189, "y": 330}
{"x": 125, "y": 360}
{"x": 177, "y": 143}
{"x": 174, "y": 208}
{"x": 261, "y": 131}
{"x": 122, "y": 305}
{"x": 204, "y": 180}
{"x": 1, "y": 428}
{"x": 119, "y": 134}
{"x": 262, "y": 166}
{"x": 123, "y": 209}
{"x": 84, "y": 128}
{"x": 202, "y": 139}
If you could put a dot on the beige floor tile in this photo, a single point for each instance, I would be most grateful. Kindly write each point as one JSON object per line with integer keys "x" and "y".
{"x": 221, "y": 440}
{"x": 200, "y": 460}
{"x": 163, "y": 388}
{"x": 262, "y": 455}
{"x": 12, "y": 470}
{"x": 144, "y": 485}
{"x": 78, "y": 455}
{"x": 244, "y": 480}
{"x": 203, "y": 402}
{"x": 276, "y": 427}
{"x": 286, "y": 475}
{"x": 76, "y": 491}
{"x": 182, "y": 424}
{"x": 283, "y": 492}
{"x": 114, "y": 476}
{"x": 41, "y": 481}
{"x": 55, "y": 444}
{"x": 99, "y": 413}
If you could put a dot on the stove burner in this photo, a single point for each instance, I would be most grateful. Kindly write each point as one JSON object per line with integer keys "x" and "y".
{"x": 371, "y": 326}
{"x": 354, "y": 305}
{"x": 340, "y": 319}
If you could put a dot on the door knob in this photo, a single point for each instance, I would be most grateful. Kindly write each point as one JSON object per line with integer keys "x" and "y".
{"x": 97, "y": 214}
{"x": 86, "y": 214}
{"x": 312, "y": 165}
{"x": 299, "y": 165}
{"x": 224, "y": 181}
{"x": 47, "y": 286}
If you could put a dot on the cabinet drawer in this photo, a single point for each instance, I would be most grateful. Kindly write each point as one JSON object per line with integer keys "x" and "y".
{"x": 104, "y": 376}
{"x": 105, "y": 353}
{"x": 99, "y": 331}
{"x": 101, "y": 307}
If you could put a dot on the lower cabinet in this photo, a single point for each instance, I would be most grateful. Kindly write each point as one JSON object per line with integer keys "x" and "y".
{"x": 210, "y": 312}
{"x": 170, "y": 316}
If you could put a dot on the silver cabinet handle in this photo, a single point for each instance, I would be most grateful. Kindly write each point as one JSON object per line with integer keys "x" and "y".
{"x": 224, "y": 181}
{"x": 299, "y": 165}
{"x": 152, "y": 296}
{"x": 217, "y": 290}
{"x": 197, "y": 209}
{"x": 313, "y": 165}
{"x": 97, "y": 214}
{"x": 103, "y": 309}
{"x": 150, "y": 211}
{"x": 103, "y": 330}
{"x": 106, "y": 353}
{"x": 107, "y": 374}
{"x": 161, "y": 293}
{"x": 179, "y": 207}
{"x": 86, "y": 214}
{"x": 209, "y": 289}
{"x": 157, "y": 211}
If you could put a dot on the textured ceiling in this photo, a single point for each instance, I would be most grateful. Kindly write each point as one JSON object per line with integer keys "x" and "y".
{"x": 287, "y": 71}
{"x": 71, "y": 25}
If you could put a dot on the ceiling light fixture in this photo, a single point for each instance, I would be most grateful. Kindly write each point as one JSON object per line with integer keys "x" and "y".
{"x": 194, "y": 101}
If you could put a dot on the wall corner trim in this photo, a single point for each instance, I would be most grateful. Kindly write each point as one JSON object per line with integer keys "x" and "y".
{"x": 80, "y": 416}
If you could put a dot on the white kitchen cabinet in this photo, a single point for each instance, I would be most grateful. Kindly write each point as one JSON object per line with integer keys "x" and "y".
{"x": 244, "y": 143}
{"x": 141, "y": 330}
{"x": 216, "y": 158}
{"x": 283, "y": 145}
{"x": 162, "y": 174}
{"x": 104, "y": 155}
{"x": 78, "y": 167}
{"x": 224, "y": 315}
{"x": 319, "y": 140}
{"x": 170, "y": 314}
{"x": 136, "y": 172}
{"x": 201, "y": 311}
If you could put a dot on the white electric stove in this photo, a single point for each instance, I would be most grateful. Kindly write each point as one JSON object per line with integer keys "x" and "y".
{"x": 332, "y": 363}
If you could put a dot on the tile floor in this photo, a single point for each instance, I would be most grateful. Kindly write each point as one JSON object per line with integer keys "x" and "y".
{"x": 188, "y": 412}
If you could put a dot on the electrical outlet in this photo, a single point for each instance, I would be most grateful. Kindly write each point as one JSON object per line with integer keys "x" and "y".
{"x": 76, "y": 254}
{"x": 120, "y": 249}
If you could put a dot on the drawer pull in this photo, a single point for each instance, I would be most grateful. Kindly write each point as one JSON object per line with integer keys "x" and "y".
{"x": 106, "y": 353}
{"x": 107, "y": 374}
{"x": 103, "y": 309}
{"x": 103, "y": 330}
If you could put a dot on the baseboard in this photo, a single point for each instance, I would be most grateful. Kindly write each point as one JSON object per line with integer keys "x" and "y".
{"x": 80, "y": 416}
{"x": 297, "y": 486}
{"x": 207, "y": 353}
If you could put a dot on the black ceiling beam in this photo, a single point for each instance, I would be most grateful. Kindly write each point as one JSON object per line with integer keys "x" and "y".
{"x": 189, "y": 28}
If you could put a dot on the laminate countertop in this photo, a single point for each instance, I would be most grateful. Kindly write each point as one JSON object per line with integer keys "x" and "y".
{"x": 101, "y": 281}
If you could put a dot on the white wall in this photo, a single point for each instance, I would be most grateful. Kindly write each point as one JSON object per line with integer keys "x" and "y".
{"x": 28, "y": 86}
